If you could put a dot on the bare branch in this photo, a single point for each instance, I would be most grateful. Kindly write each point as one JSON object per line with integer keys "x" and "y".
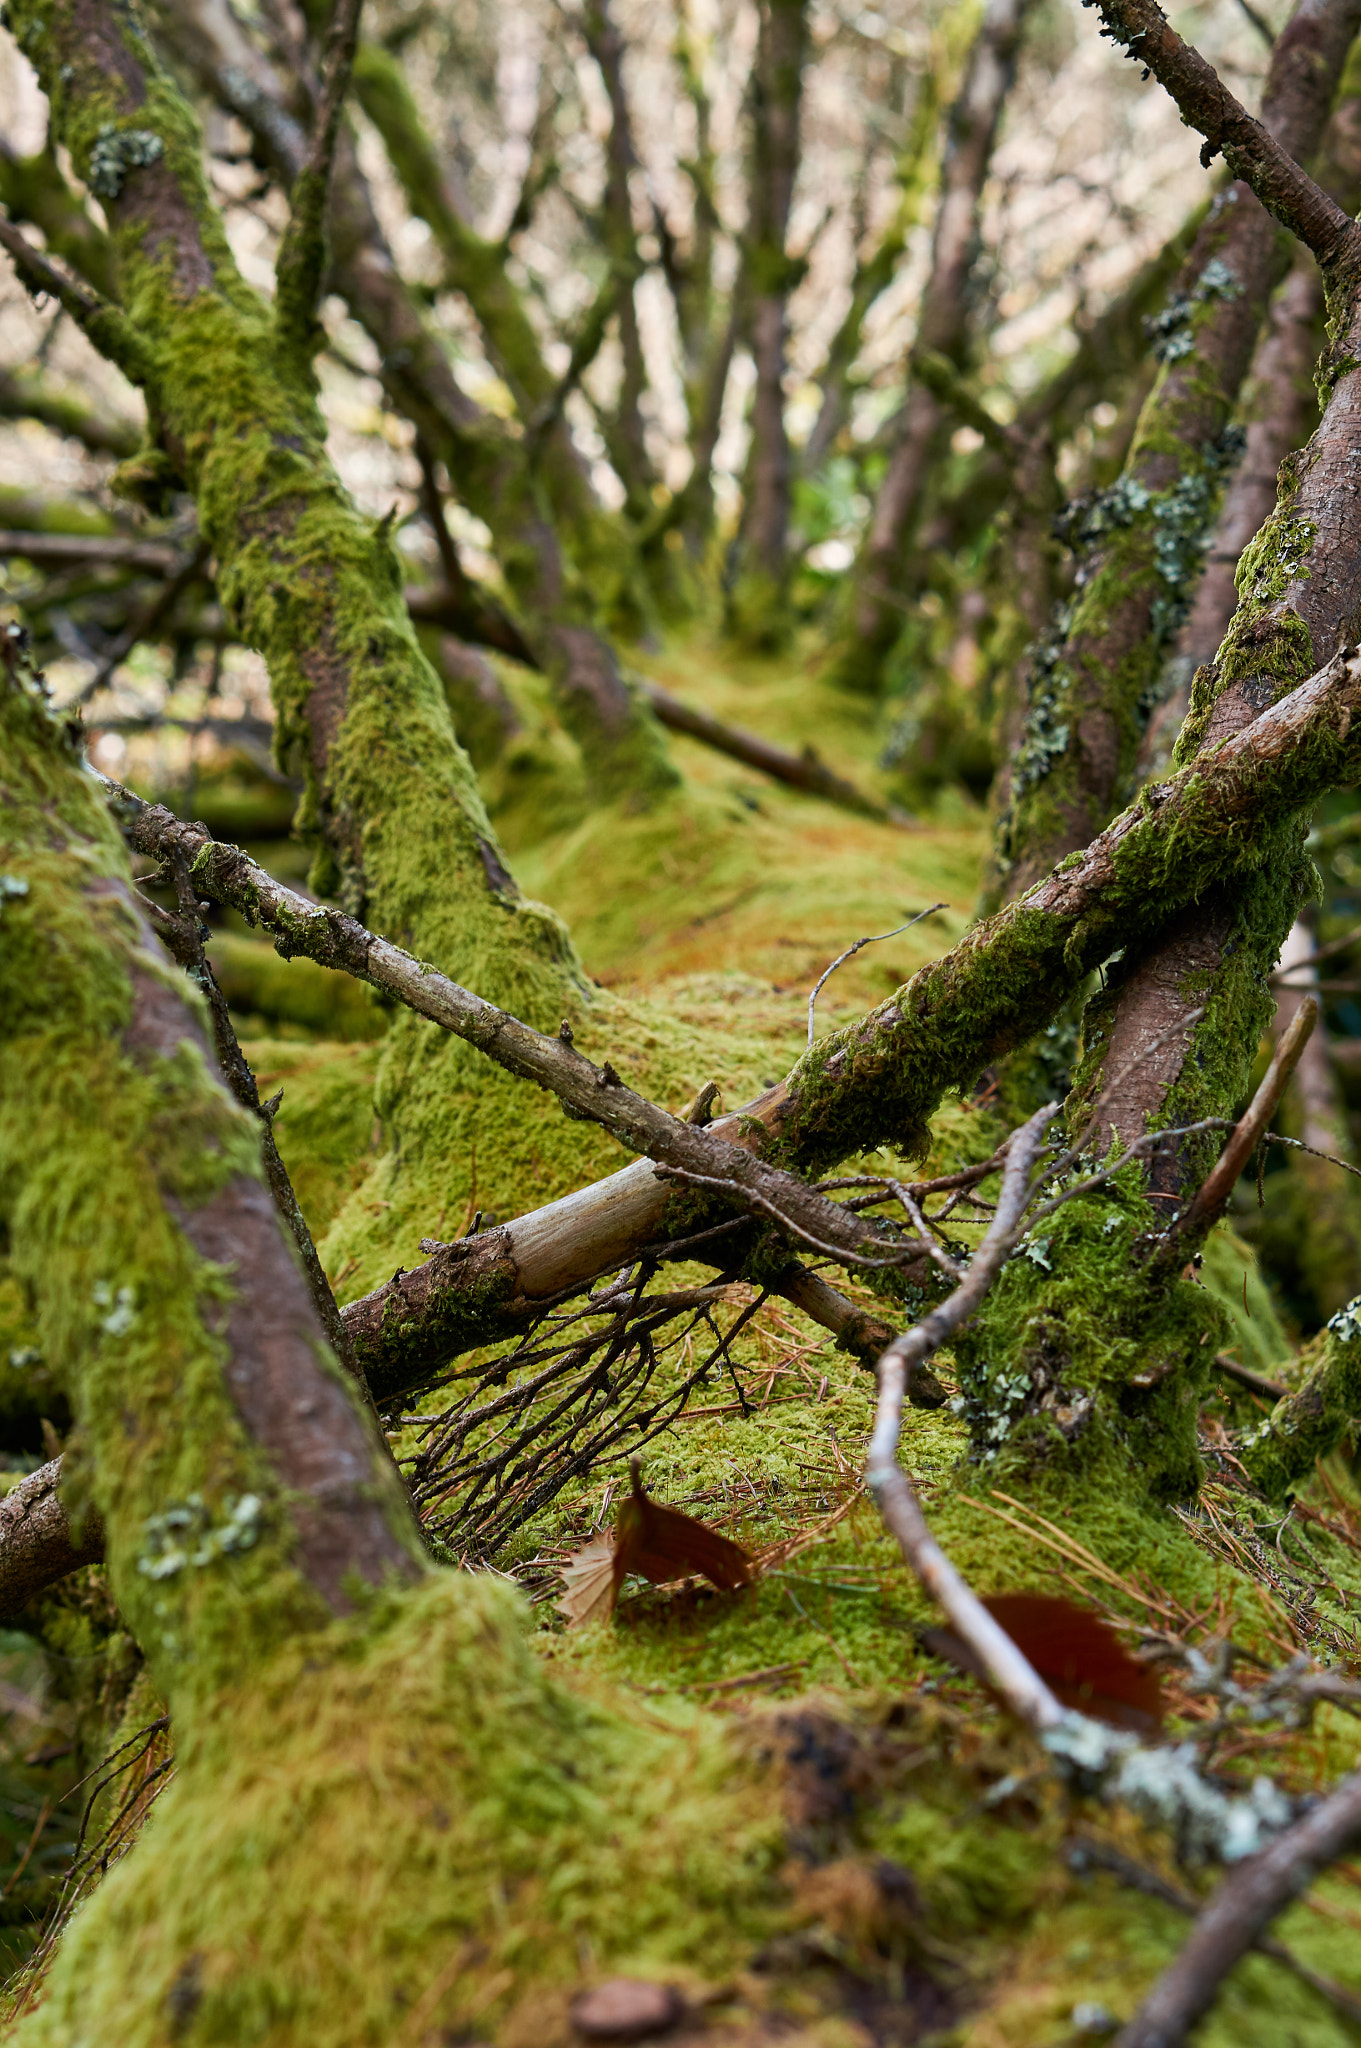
{"x": 1209, "y": 1202}
{"x": 1244, "y": 1904}
{"x": 299, "y": 925}
{"x": 1085, "y": 1850}
{"x": 1020, "y": 1686}
{"x": 1206, "y": 104}
{"x": 799, "y": 771}
{"x": 876, "y": 939}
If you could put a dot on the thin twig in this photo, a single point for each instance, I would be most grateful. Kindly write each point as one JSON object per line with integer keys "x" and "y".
{"x": 146, "y": 621}
{"x": 1010, "y": 1672}
{"x": 1084, "y": 1850}
{"x": 850, "y": 952}
{"x": 1211, "y": 1198}
{"x": 1255, "y": 1382}
{"x": 1298, "y": 1145}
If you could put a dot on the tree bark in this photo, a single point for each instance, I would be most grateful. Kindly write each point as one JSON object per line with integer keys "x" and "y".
{"x": 757, "y": 612}
{"x": 875, "y": 608}
{"x": 37, "y": 1544}
{"x": 1093, "y": 685}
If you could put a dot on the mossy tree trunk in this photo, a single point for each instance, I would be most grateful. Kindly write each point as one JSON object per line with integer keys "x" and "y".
{"x": 624, "y": 430}
{"x": 874, "y": 607}
{"x": 523, "y": 487}
{"x": 757, "y": 598}
{"x": 1093, "y": 683}
{"x": 1169, "y": 1039}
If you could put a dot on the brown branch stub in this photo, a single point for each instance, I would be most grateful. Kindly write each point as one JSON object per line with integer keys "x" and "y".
{"x": 37, "y": 1543}
{"x": 1251, "y": 152}
{"x": 1211, "y": 1199}
{"x": 1244, "y": 1905}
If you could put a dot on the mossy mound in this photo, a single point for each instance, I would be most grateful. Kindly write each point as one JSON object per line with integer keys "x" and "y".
{"x": 463, "y": 1835}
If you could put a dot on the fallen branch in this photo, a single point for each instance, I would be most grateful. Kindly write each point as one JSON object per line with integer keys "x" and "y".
{"x": 1255, "y": 1382}
{"x": 799, "y": 771}
{"x": 37, "y": 1546}
{"x": 1084, "y": 1851}
{"x": 1024, "y": 1691}
{"x": 1244, "y": 1904}
{"x": 880, "y": 1077}
{"x": 717, "y": 1153}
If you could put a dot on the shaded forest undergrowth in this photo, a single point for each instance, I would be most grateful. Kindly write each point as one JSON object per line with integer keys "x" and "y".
{"x": 881, "y": 1853}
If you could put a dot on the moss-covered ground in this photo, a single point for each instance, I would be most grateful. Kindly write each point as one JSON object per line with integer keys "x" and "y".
{"x": 774, "y": 1799}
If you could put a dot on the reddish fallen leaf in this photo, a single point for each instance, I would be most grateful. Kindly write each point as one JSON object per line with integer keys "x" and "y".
{"x": 1078, "y": 1655}
{"x": 661, "y": 1543}
{"x": 658, "y": 1543}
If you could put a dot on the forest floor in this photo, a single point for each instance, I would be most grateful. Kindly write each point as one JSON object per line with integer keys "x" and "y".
{"x": 1019, "y": 1917}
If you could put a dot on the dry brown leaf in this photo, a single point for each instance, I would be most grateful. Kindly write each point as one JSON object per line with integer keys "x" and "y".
{"x": 588, "y": 1582}
{"x": 659, "y": 1543}
{"x": 1077, "y": 1653}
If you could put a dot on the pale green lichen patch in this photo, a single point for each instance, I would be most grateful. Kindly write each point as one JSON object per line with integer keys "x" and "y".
{"x": 115, "y": 152}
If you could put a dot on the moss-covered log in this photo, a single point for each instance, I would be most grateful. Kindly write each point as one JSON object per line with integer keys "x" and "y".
{"x": 881, "y": 1078}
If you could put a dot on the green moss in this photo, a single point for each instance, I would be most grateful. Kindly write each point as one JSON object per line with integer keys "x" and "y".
{"x": 1050, "y": 1369}
{"x": 1139, "y": 551}
{"x": 256, "y": 981}
{"x": 102, "y": 1150}
{"x": 1309, "y": 1424}
{"x": 324, "y": 1127}
{"x": 1231, "y": 1276}
{"x": 466, "y": 1844}
{"x": 1267, "y": 637}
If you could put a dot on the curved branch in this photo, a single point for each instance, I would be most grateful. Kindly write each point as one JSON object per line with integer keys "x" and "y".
{"x": 1244, "y": 1905}
{"x": 1251, "y": 152}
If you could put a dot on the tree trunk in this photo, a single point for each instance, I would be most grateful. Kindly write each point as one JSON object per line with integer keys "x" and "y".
{"x": 1093, "y": 685}
{"x": 874, "y": 616}
{"x": 490, "y": 470}
{"x": 757, "y": 599}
